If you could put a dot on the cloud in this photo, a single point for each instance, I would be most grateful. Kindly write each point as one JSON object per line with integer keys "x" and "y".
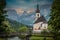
{"x": 30, "y": 10}
{"x": 27, "y": 4}
{"x": 19, "y": 10}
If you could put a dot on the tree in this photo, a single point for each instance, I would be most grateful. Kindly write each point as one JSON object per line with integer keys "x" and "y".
{"x": 55, "y": 17}
{"x": 3, "y": 26}
{"x": 2, "y": 6}
{"x": 23, "y": 29}
{"x": 2, "y": 17}
{"x": 9, "y": 28}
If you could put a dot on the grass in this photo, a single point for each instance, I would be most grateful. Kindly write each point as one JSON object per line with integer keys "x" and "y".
{"x": 40, "y": 38}
{"x": 42, "y": 35}
{"x": 36, "y": 38}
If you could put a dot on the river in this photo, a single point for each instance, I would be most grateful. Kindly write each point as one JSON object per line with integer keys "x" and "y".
{"x": 13, "y": 38}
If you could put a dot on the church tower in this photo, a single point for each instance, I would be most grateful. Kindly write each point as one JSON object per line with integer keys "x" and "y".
{"x": 37, "y": 12}
{"x": 40, "y": 23}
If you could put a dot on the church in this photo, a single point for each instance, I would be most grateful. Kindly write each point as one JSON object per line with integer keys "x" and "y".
{"x": 40, "y": 22}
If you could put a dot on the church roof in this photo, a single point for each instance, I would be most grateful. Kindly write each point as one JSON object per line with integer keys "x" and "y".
{"x": 41, "y": 19}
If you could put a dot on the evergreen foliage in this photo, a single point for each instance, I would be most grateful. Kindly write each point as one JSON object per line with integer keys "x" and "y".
{"x": 2, "y": 6}
{"x": 55, "y": 15}
{"x": 4, "y": 24}
{"x": 55, "y": 18}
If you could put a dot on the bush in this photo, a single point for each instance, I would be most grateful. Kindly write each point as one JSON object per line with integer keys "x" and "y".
{"x": 23, "y": 29}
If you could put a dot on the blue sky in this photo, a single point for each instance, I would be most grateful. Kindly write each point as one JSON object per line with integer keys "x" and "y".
{"x": 28, "y": 5}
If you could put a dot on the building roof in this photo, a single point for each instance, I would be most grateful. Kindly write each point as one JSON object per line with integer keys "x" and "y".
{"x": 41, "y": 19}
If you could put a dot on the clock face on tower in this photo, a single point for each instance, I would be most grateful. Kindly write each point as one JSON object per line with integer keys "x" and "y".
{"x": 37, "y": 15}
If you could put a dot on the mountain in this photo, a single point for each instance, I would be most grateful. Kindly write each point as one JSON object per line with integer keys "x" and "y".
{"x": 12, "y": 14}
{"x": 14, "y": 24}
{"x": 25, "y": 18}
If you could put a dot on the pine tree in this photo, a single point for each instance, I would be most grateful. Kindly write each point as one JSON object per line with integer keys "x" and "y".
{"x": 5, "y": 27}
{"x": 2, "y": 6}
{"x": 2, "y": 16}
{"x": 55, "y": 18}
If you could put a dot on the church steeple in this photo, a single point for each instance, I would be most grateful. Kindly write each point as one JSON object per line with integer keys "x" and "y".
{"x": 37, "y": 12}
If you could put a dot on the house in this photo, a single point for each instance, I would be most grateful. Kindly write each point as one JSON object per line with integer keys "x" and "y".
{"x": 40, "y": 22}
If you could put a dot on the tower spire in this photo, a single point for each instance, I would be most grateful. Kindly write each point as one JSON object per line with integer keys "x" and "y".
{"x": 37, "y": 10}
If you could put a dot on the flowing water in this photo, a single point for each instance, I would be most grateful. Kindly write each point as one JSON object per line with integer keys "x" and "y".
{"x": 13, "y": 38}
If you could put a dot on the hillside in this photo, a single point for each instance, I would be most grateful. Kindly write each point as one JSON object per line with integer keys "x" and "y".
{"x": 15, "y": 24}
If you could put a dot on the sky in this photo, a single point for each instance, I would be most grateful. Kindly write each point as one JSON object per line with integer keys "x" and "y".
{"x": 27, "y": 4}
{"x": 30, "y": 6}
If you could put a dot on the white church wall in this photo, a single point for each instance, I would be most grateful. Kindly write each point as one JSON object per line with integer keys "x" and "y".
{"x": 37, "y": 26}
{"x": 44, "y": 26}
